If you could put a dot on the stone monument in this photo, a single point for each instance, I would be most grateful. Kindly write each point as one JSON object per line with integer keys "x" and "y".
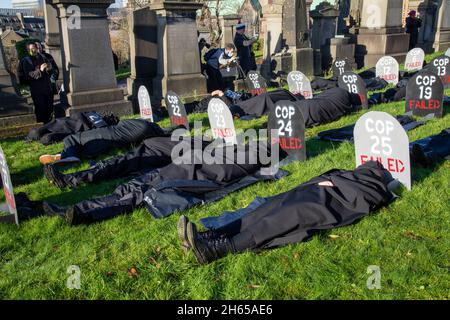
{"x": 442, "y": 38}
{"x": 52, "y": 33}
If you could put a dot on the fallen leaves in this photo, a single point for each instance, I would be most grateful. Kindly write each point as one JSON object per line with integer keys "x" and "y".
{"x": 132, "y": 272}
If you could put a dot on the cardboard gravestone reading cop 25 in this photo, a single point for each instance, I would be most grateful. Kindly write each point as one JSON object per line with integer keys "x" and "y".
{"x": 414, "y": 59}
{"x": 176, "y": 109}
{"x": 441, "y": 66}
{"x": 289, "y": 124}
{"x": 221, "y": 121}
{"x": 354, "y": 84}
{"x": 299, "y": 84}
{"x": 340, "y": 66}
{"x": 387, "y": 68}
{"x": 9, "y": 193}
{"x": 380, "y": 137}
{"x": 145, "y": 106}
{"x": 425, "y": 94}
{"x": 256, "y": 83}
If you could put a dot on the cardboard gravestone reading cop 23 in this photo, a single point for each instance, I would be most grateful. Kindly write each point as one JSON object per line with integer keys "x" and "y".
{"x": 299, "y": 84}
{"x": 176, "y": 109}
{"x": 145, "y": 106}
{"x": 289, "y": 124}
{"x": 221, "y": 121}
{"x": 340, "y": 66}
{"x": 425, "y": 94}
{"x": 441, "y": 66}
{"x": 380, "y": 137}
{"x": 414, "y": 59}
{"x": 354, "y": 84}
{"x": 9, "y": 192}
{"x": 387, "y": 68}
{"x": 256, "y": 83}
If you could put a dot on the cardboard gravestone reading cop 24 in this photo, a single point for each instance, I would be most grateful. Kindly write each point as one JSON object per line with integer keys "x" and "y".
{"x": 256, "y": 83}
{"x": 299, "y": 84}
{"x": 414, "y": 59}
{"x": 354, "y": 84}
{"x": 441, "y": 66}
{"x": 387, "y": 68}
{"x": 380, "y": 137}
{"x": 145, "y": 106}
{"x": 289, "y": 124}
{"x": 340, "y": 66}
{"x": 425, "y": 94}
{"x": 9, "y": 193}
{"x": 221, "y": 121}
{"x": 176, "y": 109}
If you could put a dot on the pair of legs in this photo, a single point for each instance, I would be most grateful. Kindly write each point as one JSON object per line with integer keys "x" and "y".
{"x": 43, "y": 105}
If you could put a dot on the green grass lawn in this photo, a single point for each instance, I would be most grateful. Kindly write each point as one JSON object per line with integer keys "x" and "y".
{"x": 408, "y": 240}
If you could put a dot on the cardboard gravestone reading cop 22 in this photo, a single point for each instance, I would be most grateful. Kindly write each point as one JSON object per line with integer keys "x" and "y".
{"x": 414, "y": 59}
{"x": 380, "y": 137}
{"x": 256, "y": 83}
{"x": 221, "y": 121}
{"x": 145, "y": 106}
{"x": 289, "y": 124}
{"x": 425, "y": 94}
{"x": 299, "y": 84}
{"x": 176, "y": 109}
{"x": 9, "y": 193}
{"x": 340, "y": 66}
{"x": 441, "y": 66}
{"x": 354, "y": 84}
{"x": 387, "y": 69}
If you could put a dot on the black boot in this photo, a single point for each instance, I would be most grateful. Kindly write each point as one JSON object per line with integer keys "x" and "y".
{"x": 419, "y": 157}
{"x": 27, "y": 209}
{"x": 208, "y": 250}
{"x": 54, "y": 176}
{"x": 182, "y": 233}
{"x": 52, "y": 210}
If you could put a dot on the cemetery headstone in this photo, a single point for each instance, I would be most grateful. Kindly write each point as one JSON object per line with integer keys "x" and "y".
{"x": 8, "y": 190}
{"x": 299, "y": 84}
{"x": 387, "y": 68}
{"x": 256, "y": 83}
{"x": 145, "y": 107}
{"x": 340, "y": 66}
{"x": 380, "y": 137}
{"x": 176, "y": 110}
{"x": 441, "y": 66}
{"x": 353, "y": 83}
{"x": 447, "y": 53}
{"x": 221, "y": 121}
{"x": 425, "y": 94}
{"x": 414, "y": 59}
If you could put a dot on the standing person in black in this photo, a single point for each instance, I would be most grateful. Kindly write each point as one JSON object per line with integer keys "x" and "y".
{"x": 413, "y": 24}
{"x": 244, "y": 49}
{"x": 55, "y": 70}
{"x": 38, "y": 71}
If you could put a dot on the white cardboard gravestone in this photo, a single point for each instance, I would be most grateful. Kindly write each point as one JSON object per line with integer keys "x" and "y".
{"x": 299, "y": 84}
{"x": 288, "y": 120}
{"x": 447, "y": 53}
{"x": 256, "y": 83}
{"x": 441, "y": 66}
{"x": 176, "y": 109}
{"x": 221, "y": 121}
{"x": 353, "y": 83}
{"x": 387, "y": 68}
{"x": 414, "y": 59}
{"x": 8, "y": 190}
{"x": 340, "y": 66}
{"x": 425, "y": 94}
{"x": 145, "y": 107}
{"x": 380, "y": 137}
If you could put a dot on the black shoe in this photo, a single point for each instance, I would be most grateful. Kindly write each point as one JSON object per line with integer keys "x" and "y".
{"x": 418, "y": 156}
{"x": 182, "y": 233}
{"x": 52, "y": 209}
{"x": 54, "y": 176}
{"x": 208, "y": 250}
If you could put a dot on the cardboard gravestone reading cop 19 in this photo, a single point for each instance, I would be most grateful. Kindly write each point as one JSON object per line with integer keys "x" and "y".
{"x": 340, "y": 66}
{"x": 221, "y": 121}
{"x": 176, "y": 109}
{"x": 256, "y": 83}
{"x": 414, "y": 59}
{"x": 425, "y": 94}
{"x": 380, "y": 137}
{"x": 441, "y": 66}
{"x": 387, "y": 68}
{"x": 145, "y": 106}
{"x": 8, "y": 190}
{"x": 299, "y": 84}
{"x": 354, "y": 84}
{"x": 289, "y": 124}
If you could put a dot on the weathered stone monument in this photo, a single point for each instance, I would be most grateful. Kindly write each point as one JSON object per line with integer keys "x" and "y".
{"x": 428, "y": 10}
{"x": 442, "y": 38}
{"x": 228, "y": 23}
{"x": 343, "y": 44}
{"x": 52, "y": 33}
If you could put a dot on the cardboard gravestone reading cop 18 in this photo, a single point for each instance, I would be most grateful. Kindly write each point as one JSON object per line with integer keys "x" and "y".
{"x": 289, "y": 125}
{"x": 380, "y": 137}
{"x": 441, "y": 66}
{"x": 176, "y": 109}
{"x": 145, "y": 106}
{"x": 425, "y": 94}
{"x": 299, "y": 84}
{"x": 256, "y": 83}
{"x": 387, "y": 68}
{"x": 8, "y": 190}
{"x": 414, "y": 59}
{"x": 221, "y": 121}
{"x": 354, "y": 84}
{"x": 340, "y": 66}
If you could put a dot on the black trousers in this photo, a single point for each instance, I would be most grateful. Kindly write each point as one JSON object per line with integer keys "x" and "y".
{"x": 215, "y": 79}
{"x": 43, "y": 105}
